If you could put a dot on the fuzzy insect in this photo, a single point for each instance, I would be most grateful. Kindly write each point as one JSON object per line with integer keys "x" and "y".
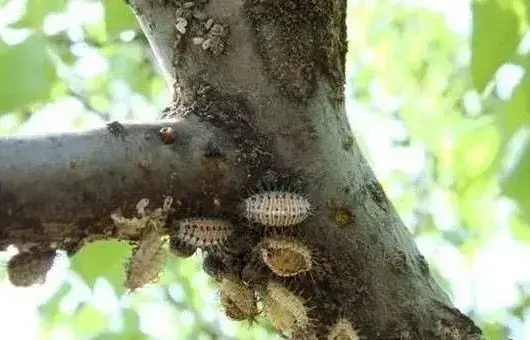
{"x": 29, "y": 268}
{"x": 286, "y": 256}
{"x": 276, "y": 208}
{"x": 303, "y": 334}
{"x": 213, "y": 265}
{"x": 284, "y": 310}
{"x": 147, "y": 260}
{"x": 238, "y": 300}
{"x": 343, "y": 330}
{"x": 203, "y": 232}
{"x": 181, "y": 249}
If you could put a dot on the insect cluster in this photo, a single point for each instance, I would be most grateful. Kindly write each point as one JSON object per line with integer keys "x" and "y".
{"x": 194, "y": 27}
{"x": 276, "y": 216}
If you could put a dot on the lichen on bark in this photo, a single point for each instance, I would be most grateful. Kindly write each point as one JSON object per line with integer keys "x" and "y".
{"x": 299, "y": 41}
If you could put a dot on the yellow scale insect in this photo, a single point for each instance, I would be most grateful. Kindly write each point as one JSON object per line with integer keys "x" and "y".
{"x": 285, "y": 256}
{"x": 238, "y": 300}
{"x": 284, "y": 310}
{"x": 277, "y": 208}
{"x": 343, "y": 330}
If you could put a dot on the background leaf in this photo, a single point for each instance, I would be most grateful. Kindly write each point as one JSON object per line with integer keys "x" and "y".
{"x": 27, "y": 73}
{"x": 517, "y": 184}
{"x": 102, "y": 258}
{"x": 495, "y": 36}
{"x": 118, "y": 17}
{"x": 37, "y": 10}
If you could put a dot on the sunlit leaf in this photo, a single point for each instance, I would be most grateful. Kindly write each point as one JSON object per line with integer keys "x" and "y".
{"x": 523, "y": 304}
{"x": 97, "y": 33}
{"x": 118, "y": 17}
{"x": 89, "y": 320}
{"x": 37, "y": 10}
{"x": 102, "y": 258}
{"x": 127, "y": 63}
{"x": 475, "y": 202}
{"x": 520, "y": 229}
{"x": 122, "y": 336}
{"x": 517, "y": 184}
{"x": 495, "y": 36}
{"x": 27, "y": 74}
{"x": 129, "y": 331}
{"x": 494, "y": 331}
{"x": 477, "y": 149}
{"x": 516, "y": 112}
{"x": 131, "y": 320}
{"x": 50, "y": 312}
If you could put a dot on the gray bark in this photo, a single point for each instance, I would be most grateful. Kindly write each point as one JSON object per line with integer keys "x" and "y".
{"x": 260, "y": 103}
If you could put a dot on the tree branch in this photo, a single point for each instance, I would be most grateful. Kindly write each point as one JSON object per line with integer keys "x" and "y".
{"x": 64, "y": 187}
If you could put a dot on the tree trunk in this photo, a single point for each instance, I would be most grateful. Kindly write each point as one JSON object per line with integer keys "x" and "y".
{"x": 258, "y": 105}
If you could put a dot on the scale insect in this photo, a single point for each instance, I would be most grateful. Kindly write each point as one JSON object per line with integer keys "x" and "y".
{"x": 204, "y": 232}
{"x": 180, "y": 248}
{"x": 303, "y": 334}
{"x": 147, "y": 260}
{"x": 284, "y": 310}
{"x": 343, "y": 330}
{"x": 276, "y": 208}
{"x": 29, "y": 268}
{"x": 286, "y": 256}
{"x": 238, "y": 300}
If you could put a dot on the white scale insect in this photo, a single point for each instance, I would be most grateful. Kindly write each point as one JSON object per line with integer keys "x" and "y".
{"x": 277, "y": 208}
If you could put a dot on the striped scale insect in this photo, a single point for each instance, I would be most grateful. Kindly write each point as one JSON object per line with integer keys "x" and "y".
{"x": 204, "y": 232}
{"x": 276, "y": 208}
{"x": 180, "y": 248}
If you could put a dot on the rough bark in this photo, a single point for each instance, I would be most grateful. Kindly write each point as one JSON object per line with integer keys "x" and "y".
{"x": 259, "y": 98}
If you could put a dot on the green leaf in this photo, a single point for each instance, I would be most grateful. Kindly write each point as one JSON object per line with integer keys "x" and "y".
{"x": 517, "y": 183}
{"x": 519, "y": 310}
{"x": 118, "y": 17}
{"x": 495, "y": 331}
{"x": 131, "y": 320}
{"x": 27, "y": 74}
{"x": 516, "y": 112}
{"x": 102, "y": 258}
{"x": 474, "y": 207}
{"x": 477, "y": 150}
{"x": 37, "y": 10}
{"x": 127, "y": 63}
{"x": 50, "y": 312}
{"x": 496, "y": 34}
{"x": 520, "y": 229}
{"x": 122, "y": 336}
{"x": 88, "y": 320}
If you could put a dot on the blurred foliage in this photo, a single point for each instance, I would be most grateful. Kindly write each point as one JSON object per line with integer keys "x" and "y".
{"x": 30, "y": 71}
{"x": 443, "y": 119}
{"x": 102, "y": 258}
